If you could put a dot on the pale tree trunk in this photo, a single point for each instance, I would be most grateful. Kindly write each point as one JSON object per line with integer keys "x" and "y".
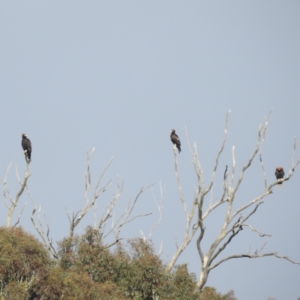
{"x": 203, "y": 275}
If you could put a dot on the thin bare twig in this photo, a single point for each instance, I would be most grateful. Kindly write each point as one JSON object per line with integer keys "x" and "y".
{"x": 108, "y": 213}
{"x": 159, "y": 206}
{"x": 125, "y": 217}
{"x": 218, "y": 155}
{"x": 97, "y": 192}
{"x": 19, "y": 217}
{"x": 10, "y": 202}
{"x": 39, "y": 228}
{"x": 255, "y": 255}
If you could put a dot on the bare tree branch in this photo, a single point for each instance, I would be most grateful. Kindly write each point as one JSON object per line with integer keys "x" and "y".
{"x": 268, "y": 190}
{"x": 113, "y": 243}
{"x": 11, "y": 203}
{"x": 6, "y": 193}
{"x": 19, "y": 217}
{"x": 230, "y": 228}
{"x": 261, "y": 131}
{"x": 200, "y": 194}
{"x": 108, "y": 213}
{"x": 159, "y": 206}
{"x": 188, "y": 235}
{"x": 296, "y": 145}
{"x": 188, "y": 141}
{"x": 76, "y": 218}
{"x": 261, "y": 149}
{"x": 218, "y": 155}
{"x": 124, "y": 219}
{"x": 255, "y": 255}
{"x": 39, "y": 228}
{"x": 235, "y": 229}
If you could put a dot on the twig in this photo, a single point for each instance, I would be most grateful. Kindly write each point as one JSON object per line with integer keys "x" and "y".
{"x": 125, "y": 218}
{"x": 7, "y": 196}
{"x": 39, "y": 228}
{"x": 255, "y": 255}
{"x": 97, "y": 192}
{"x": 159, "y": 208}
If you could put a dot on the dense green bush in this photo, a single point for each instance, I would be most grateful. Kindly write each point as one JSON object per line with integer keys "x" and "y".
{"x": 86, "y": 269}
{"x": 22, "y": 260}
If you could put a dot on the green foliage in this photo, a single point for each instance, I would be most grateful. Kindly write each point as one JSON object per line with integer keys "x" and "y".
{"x": 94, "y": 258}
{"x": 210, "y": 293}
{"x": 88, "y": 270}
{"x": 60, "y": 284}
{"x": 22, "y": 260}
{"x": 184, "y": 284}
{"x": 145, "y": 275}
{"x": 15, "y": 291}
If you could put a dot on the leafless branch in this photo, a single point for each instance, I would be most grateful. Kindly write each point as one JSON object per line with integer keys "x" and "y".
{"x": 113, "y": 243}
{"x": 255, "y": 255}
{"x": 200, "y": 194}
{"x": 233, "y": 231}
{"x": 225, "y": 232}
{"x": 264, "y": 133}
{"x": 108, "y": 213}
{"x": 46, "y": 240}
{"x": 228, "y": 230}
{"x": 200, "y": 205}
{"x": 19, "y": 217}
{"x": 261, "y": 131}
{"x": 178, "y": 181}
{"x": 268, "y": 190}
{"x": 296, "y": 145}
{"x": 218, "y": 155}
{"x": 124, "y": 219}
{"x": 136, "y": 217}
{"x": 6, "y": 193}
{"x": 76, "y": 218}
{"x": 258, "y": 232}
{"x": 39, "y": 228}
{"x": 10, "y": 202}
{"x": 159, "y": 206}
{"x": 188, "y": 235}
{"x": 160, "y": 249}
{"x": 188, "y": 140}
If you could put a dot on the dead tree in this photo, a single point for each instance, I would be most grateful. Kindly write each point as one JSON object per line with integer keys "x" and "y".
{"x": 234, "y": 220}
{"x": 90, "y": 203}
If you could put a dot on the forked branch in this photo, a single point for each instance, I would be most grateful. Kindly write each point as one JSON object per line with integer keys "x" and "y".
{"x": 11, "y": 202}
{"x": 89, "y": 203}
{"x": 159, "y": 206}
{"x": 189, "y": 232}
{"x": 125, "y": 217}
{"x": 40, "y": 228}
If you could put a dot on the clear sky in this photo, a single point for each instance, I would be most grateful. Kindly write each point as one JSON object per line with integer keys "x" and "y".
{"x": 117, "y": 76}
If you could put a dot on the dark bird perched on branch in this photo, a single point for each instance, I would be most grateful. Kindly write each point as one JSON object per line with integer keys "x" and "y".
{"x": 279, "y": 173}
{"x": 26, "y": 144}
{"x": 175, "y": 139}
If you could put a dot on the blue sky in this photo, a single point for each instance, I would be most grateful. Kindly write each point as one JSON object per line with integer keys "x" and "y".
{"x": 117, "y": 76}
